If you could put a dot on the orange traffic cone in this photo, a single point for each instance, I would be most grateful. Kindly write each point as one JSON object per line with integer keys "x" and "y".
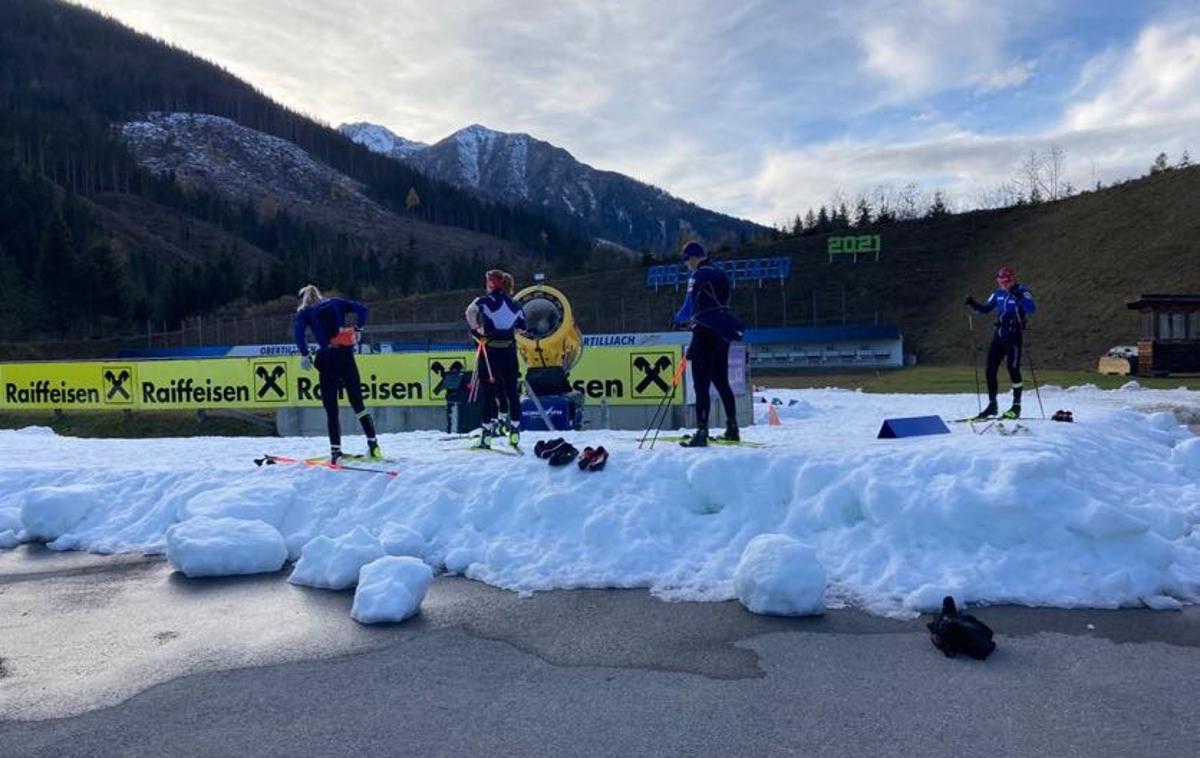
{"x": 772, "y": 416}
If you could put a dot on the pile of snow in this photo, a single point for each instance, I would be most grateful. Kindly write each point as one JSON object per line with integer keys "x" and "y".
{"x": 1163, "y": 420}
{"x": 780, "y": 576}
{"x": 1186, "y": 454}
{"x": 1104, "y": 512}
{"x": 334, "y": 563}
{"x": 50, "y": 512}
{"x": 390, "y": 589}
{"x": 398, "y": 539}
{"x": 204, "y": 546}
{"x": 10, "y": 522}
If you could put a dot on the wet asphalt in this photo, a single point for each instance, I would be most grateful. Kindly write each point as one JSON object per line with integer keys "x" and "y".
{"x": 119, "y": 656}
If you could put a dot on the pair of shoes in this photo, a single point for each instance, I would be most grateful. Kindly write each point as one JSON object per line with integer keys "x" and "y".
{"x": 1065, "y": 416}
{"x": 699, "y": 439}
{"x": 593, "y": 459}
{"x": 563, "y": 454}
{"x": 546, "y": 448}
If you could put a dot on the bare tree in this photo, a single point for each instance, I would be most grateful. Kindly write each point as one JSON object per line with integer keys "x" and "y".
{"x": 1053, "y": 168}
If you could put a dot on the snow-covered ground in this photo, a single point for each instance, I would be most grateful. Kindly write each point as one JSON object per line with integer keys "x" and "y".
{"x": 1104, "y": 512}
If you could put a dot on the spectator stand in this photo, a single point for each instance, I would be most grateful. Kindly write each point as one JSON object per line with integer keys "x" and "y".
{"x": 739, "y": 271}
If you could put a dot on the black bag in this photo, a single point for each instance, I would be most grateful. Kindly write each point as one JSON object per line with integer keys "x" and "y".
{"x": 955, "y": 633}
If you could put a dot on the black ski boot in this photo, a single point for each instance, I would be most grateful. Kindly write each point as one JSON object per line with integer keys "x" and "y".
{"x": 699, "y": 439}
{"x": 731, "y": 433}
{"x": 1013, "y": 413}
{"x": 990, "y": 412}
{"x": 335, "y": 455}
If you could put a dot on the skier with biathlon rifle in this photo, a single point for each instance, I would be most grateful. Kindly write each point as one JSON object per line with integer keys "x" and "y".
{"x": 494, "y": 320}
{"x": 334, "y": 360}
{"x": 706, "y": 312}
{"x": 1013, "y": 304}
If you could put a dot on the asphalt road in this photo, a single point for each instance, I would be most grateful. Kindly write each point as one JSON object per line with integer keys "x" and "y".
{"x": 118, "y": 656}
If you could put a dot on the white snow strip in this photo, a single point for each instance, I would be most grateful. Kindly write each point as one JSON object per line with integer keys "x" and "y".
{"x": 1104, "y": 512}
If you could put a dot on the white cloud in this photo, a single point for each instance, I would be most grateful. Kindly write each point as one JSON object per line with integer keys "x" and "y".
{"x": 758, "y": 108}
{"x": 1158, "y": 80}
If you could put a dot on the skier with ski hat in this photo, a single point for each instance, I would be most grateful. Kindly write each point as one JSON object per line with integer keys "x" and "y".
{"x": 494, "y": 320}
{"x": 1013, "y": 303}
{"x": 706, "y": 312}
{"x": 334, "y": 361}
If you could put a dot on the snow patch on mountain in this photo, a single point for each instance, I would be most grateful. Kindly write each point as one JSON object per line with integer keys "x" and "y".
{"x": 380, "y": 139}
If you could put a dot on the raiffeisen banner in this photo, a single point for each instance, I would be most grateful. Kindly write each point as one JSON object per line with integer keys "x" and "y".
{"x": 626, "y": 375}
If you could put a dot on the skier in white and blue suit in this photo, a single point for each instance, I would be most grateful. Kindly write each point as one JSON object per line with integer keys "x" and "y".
{"x": 494, "y": 320}
{"x": 706, "y": 312}
{"x": 1013, "y": 303}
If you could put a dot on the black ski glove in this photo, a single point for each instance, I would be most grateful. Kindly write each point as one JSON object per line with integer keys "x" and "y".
{"x": 970, "y": 300}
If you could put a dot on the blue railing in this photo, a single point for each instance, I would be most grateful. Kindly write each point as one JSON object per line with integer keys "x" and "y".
{"x": 742, "y": 270}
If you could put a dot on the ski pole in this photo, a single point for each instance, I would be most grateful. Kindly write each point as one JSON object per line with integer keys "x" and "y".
{"x": 1033, "y": 373}
{"x": 654, "y": 418}
{"x": 475, "y": 377}
{"x": 656, "y": 421}
{"x": 975, "y": 361}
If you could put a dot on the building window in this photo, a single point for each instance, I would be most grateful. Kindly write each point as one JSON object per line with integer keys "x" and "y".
{"x": 1179, "y": 328}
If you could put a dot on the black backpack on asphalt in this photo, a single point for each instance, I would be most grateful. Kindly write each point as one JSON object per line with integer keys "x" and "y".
{"x": 955, "y": 633}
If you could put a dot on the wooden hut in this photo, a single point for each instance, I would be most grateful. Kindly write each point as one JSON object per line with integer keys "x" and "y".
{"x": 1170, "y": 342}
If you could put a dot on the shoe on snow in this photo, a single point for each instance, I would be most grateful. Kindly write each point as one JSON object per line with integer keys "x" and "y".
{"x": 1012, "y": 413}
{"x": 731, "y": 434}
{"x": 545, "y": 448}
{"x": 699, "y": 439}
{"x": 987, "y": 413}
{"x": 564, "y": 454}
{"x": 374, "y": 452}
{"x": 596, "y": 461}
{"x": 585, "y": 457}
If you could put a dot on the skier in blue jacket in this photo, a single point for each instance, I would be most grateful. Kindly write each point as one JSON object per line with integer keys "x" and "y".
{"x": 1013, "y": 303}
{"x": 706, "y": 312}
{"x": 334, "y": 361}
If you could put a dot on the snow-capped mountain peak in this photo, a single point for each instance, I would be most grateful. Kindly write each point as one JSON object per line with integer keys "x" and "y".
{"x": 520, "y": 169}
{"x": 380, "y": 139}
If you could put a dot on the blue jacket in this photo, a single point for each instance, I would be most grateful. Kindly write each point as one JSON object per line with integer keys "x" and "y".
{"x": 707, "y": 303}
{"x": 1011, "y": 308}
{"x": 498, "y": 316}
{"x": 325, "y": 319}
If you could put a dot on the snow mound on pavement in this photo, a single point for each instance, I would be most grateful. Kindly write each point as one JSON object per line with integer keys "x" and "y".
{"x": 390, "y": 589}
{"x": 206, "y": 546}
{"x": 780, "y": 576}
{"x": 1104, "y": 512}
{"x": 50, "y": 512}
{"x": 334, "y": 563}
{"x": 8, "y": 539}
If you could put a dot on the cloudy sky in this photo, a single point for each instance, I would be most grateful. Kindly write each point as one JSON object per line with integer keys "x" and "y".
{"x": 759, "y": 108}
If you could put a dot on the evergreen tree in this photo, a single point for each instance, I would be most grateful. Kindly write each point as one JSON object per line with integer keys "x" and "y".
{"x": 810, "y": 222}
{"x": 1160, "y": 164}
{"x": 862, "y": 214}
{"x": 823, "y": 225}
